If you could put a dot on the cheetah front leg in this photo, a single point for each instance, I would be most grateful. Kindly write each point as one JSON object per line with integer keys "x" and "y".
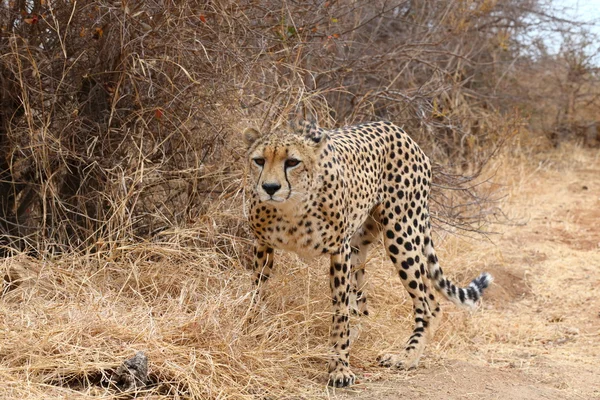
{"x": 339, "y": 281}
{"x": 361, "y": 241}
{"x": 262, "y": 266}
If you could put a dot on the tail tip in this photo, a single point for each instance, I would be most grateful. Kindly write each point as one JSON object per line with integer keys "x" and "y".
{"x": 483, "y": 281}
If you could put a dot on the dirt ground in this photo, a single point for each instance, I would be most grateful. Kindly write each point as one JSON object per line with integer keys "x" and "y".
{"x": 545, "y": 301}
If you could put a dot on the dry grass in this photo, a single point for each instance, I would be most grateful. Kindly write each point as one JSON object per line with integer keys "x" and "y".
{"x": 67, "y": 322}
{"x": 70, "y": 319}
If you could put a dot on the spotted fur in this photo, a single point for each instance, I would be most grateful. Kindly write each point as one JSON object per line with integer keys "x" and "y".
{"x": 337, "y": 192}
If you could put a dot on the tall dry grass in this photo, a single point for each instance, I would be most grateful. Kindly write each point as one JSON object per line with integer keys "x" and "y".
{"x": 68, "y": 323}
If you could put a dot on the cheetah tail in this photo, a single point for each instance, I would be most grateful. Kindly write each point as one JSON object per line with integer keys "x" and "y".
{"x": 462, "y": 297}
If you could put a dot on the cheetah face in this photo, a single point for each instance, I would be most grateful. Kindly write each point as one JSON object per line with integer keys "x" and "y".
{"x": 283, "y": 165}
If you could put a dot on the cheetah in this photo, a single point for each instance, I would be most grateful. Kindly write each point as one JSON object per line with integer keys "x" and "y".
{"x": 336, "y": 192}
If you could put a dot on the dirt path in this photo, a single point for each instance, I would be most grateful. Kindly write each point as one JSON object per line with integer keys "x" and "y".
{"x": 544, "y": 308}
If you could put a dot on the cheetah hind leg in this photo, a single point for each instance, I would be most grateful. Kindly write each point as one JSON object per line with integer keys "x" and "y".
{"x": 404, "y": 247}
{"x": 361, "y": 241}
{"x": 425, "y": 308}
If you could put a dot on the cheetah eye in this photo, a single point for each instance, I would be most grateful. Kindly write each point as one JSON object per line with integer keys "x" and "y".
{"x": 259, "y": 161}
{"x": 292, "y": 162}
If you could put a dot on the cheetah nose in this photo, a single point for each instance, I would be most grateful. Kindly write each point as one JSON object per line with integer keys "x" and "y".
{"x": 271, "y": 188}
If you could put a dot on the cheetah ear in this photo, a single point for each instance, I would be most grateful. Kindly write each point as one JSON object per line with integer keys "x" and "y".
{"x": 250, "y": 136}
{"x": 309, "y": 130}
{"x": 318, "y": 136}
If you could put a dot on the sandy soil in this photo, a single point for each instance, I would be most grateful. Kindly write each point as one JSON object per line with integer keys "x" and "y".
{"x": 544, "y": 307}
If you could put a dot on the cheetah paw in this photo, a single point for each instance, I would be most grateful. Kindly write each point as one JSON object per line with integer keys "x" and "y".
{"x": 398, "y": 361}
{"x": 341, "y": 377}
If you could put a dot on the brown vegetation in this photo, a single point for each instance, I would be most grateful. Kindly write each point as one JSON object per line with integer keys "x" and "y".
{"x": 121, "y": 215}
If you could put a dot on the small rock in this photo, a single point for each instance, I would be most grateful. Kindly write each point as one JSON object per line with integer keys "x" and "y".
{"x": 132, "y": 374}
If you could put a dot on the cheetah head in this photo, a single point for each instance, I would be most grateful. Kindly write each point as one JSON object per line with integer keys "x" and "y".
{"x": 284, "y": 165}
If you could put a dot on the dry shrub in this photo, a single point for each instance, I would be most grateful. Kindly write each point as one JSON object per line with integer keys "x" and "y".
{"x": 560, "y": 93}
{"x": 116, "y": 113}
{"x": 117, "y": 117}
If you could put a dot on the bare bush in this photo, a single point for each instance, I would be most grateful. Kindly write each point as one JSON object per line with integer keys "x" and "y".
{"x": 111, "y": 114}
{"x": 119, "y": 119}
{"x": 559, "y": 89}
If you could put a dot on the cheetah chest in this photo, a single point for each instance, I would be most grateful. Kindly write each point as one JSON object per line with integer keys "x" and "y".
{"x": 306, "y": 235}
